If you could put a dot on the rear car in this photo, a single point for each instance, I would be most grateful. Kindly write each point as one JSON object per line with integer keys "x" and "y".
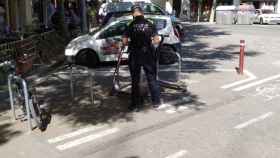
{"x": 118, "y": 9}
{"x": 103, "y": 45}
{"x": 266, "y": 16}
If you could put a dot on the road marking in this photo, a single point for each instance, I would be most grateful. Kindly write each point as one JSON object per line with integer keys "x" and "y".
{"x": 178, "y": 154}
{"x": 254, "y": 120}
{"x": 74, "y": 134}
{"x": 246, "y": 72}
{"x": 257, "y": 83}
{"x": 87, "y": 139}
{"x": 277, "y": 63}
{"x": 164, "y": 106}
{"x": 182, "y": 108}
{"x": 269, "y": 92}
{"x": 171, "y": 111}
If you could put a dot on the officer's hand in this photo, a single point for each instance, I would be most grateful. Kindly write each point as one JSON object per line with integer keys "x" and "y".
{"x": 125, "y": 41}
{"x": 156, "y": 39}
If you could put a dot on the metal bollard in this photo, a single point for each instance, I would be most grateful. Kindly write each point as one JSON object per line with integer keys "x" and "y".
{"x": 11, "y": 78}
{"x": 179, "y": 66}
{"x": 91, "y": 87}
{"x": 241, "y": 57}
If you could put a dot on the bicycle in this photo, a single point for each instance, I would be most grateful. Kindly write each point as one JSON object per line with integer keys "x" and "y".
{"x": 26, "y": 98}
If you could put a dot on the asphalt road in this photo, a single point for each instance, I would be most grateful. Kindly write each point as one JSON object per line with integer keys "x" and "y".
{"x": 226, "y": 115}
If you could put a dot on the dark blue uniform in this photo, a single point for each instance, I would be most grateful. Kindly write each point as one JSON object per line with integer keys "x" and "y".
{"x": 142, "y": 54}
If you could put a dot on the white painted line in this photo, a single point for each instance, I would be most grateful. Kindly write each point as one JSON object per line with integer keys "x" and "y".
{"x": 262, "y": 117}
{"x": 74, "y": 134}
{"x": 171, "y": 111}
{"x": 182, "y": 108}
{"x": 178, "y": 154}
{"x": 87, "y": 139}
{"x": 163, "y": 106}
{"x": 257, "y": 83}
{"x": 246, "y": 72}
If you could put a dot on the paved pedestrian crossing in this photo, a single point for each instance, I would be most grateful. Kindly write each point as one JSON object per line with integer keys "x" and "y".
{"x": 90, "y": 134}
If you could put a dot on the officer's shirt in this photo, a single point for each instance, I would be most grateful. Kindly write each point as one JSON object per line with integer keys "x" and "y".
{"x": 140, "y": 31}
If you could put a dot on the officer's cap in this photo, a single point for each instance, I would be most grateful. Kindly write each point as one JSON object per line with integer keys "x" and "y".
{"x": 136, "y": 7}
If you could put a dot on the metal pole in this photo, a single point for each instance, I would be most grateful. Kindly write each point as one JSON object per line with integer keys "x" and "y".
{"x": 83, "y": 10}
{"x": 71, "y": 82}
{"x": 241, "y": 57}
{"x": 26, "y": 98}
{"x": 179, "y": 66}
{"x": 11, "y": 96}
{"x": 45, "y": 13}
{"x": 91, "y": 86}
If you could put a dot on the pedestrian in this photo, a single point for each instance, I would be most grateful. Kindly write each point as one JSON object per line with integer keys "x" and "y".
{"x": 168, "y": 7}
{"x": 142, "y": 34}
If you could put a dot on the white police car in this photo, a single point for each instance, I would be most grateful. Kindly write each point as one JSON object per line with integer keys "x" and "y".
{"x": 103, "y": 45}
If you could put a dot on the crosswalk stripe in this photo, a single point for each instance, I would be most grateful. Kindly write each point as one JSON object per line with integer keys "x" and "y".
{"x": 86, "y": 139}
{"x": 74, "y": 134}
{"x": 178, "y": 154}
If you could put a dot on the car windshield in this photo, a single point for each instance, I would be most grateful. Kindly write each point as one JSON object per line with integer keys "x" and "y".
{"x": 267, "y": 11}
{"x": 148, "y": 8}
{"x": 119, "y": 7}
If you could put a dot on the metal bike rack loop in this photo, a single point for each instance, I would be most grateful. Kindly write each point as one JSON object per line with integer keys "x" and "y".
{"x": 12, "y": 78}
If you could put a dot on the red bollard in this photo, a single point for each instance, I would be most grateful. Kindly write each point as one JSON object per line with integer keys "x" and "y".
{"x": 241, "y": 57}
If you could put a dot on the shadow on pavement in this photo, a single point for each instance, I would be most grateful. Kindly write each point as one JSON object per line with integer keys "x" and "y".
{"x": 55, "y": 91}
{"x": 6, "y": 133}
{"x": 200, "y": 55}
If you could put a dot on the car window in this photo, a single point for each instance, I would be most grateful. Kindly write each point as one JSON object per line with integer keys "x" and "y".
{"x": 119, "y": 7}
{"x": 159, "y": 23}
{"x": 267, "y": 11}
{"x": 115, "y": 30}
{"x": 156, "y": 10}
{"x": 149, "y": 8}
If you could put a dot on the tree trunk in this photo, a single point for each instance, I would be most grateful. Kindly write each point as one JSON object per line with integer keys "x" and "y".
{"x": 199, "y": 11}
{"x": 62, "y": 27}
{"x": 84, "y": 26}
{"x": 213, "y": 11}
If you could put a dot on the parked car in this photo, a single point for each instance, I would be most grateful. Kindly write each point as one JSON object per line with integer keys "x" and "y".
{"x": 118, "y": 9}
{"x": 103, "y": 44}
{"x": 266, "y": 16}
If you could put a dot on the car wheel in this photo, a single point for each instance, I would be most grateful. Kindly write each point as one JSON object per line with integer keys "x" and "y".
{"x": 88, "y": 58}
{"x": 261, "y": 21}
{"x": 167, "y": 55}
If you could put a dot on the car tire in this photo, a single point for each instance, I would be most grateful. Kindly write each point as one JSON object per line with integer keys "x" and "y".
{"x": 167, "y": 55}
{"x": 87, "y": 58}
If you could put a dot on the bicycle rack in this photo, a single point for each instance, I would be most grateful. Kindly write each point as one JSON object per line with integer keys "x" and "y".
{"x": 90, "y": 75}
{"x": 12, "y": 78}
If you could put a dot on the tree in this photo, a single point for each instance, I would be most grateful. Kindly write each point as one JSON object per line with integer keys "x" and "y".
{"x": 213, "y": 11}
{"x": 61, "y": 25}
{"x": 199, "y": 6}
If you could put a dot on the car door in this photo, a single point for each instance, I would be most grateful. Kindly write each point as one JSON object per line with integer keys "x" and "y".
{"x": 110, "y": 40}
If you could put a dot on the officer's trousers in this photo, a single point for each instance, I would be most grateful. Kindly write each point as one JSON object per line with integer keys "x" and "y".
{"x": 147, "y": 61}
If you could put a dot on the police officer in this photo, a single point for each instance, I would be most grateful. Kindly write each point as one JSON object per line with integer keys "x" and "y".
{"x": 142, "y": 34}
